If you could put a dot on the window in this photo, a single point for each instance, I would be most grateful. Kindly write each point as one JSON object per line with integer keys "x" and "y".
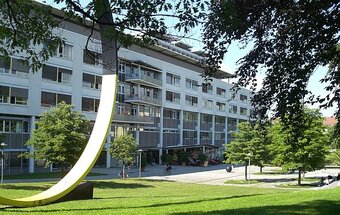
{"x": 220, "y": 106}
{"x": 13, "y": 95}
{"x": 191, "y": 84}
{"x": 207, "y": 104}
{"x": 19, "y": 96}
{"x": 144, "y": 111}
{"x": 191, "y": 100}
{"x": 173, "y": 79}
{"x": 92, "y": 81}
{"x": 243, "y": 111}
{"x": 89, "y": 104}
{"x": 171, "y": 114}
{"x": 64, "y": 51}
{"x": 219, "y": 120}
{"x": 207, "y": 88}
{"x": 172, "y": 97}
{"x": 192, "y": 117}
{"x": 252, "y": 113}
{"x": 51, "y": 99}
{"x": 206, "y": 118}
{"x": 121, "y": 95}
{"x": 4, "y": 94}
{"x": 221, "y": 92}
{"x": 56, "y": 74}
{"x": 233, "y": 109}
{"x": 243, "y": 98}
{"x": 14, "y": 126}
{"x": 4, "y": 125}
{"x": 91, "y": 57}
{"x": 14, "y": 66}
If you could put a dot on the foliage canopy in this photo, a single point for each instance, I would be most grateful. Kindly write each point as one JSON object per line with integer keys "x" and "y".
{"x": 60, "y": 136}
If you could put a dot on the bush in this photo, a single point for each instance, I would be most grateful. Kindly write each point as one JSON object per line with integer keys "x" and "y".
{"x": 167, "y": 158}
{"x": 202, "y": 157}
{"x": 183, "y": 156}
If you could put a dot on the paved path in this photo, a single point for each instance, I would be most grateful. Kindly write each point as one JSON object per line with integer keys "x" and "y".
{"x": 212, "y": 175}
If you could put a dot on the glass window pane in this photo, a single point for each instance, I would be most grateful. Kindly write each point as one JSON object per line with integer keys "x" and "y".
{"x": 49, "y": 73}
{"x": 48, "y": 99}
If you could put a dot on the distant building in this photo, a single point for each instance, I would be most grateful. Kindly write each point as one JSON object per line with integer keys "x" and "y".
{"x": 329, "y": 121}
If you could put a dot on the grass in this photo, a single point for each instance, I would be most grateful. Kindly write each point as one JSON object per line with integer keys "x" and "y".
{"x": 42, "y": 175}
{"x": 160, "y": 197}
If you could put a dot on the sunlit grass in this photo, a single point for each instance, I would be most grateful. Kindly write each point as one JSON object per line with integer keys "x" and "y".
{"x": 160, "y": 197}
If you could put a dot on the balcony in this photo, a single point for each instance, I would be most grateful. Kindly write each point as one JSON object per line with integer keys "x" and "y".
{"x": 206, "y": 126}
{"x": 141, "y": 77}
{"x": 219, "y": 127}
{"x": 133, "y": 119}
{"x": 143, "y": 99}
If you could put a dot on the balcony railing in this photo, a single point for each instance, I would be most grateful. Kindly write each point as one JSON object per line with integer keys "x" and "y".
{"x": 219, "y": 127}
{"x": 206, "y": 126}
{"x": 133, "y": 119}
{"x": 143, "y": 99}
{"x": 140, "y": 76}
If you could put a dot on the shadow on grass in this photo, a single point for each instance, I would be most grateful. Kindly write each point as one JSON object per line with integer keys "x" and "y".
{"x": 115, "y": 185}
{"x": 307, "y": 208}
{"x": 15, "y": 210}
{"x": 275, "y": 180}
{"x": 25, "y": 187}
{"x": 155, "y": 180}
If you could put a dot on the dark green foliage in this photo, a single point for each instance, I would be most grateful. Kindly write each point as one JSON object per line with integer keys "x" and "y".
{"x": 25, "y": 24}
{"x": 202, "y": 157}
{"x": 288, "y": 40}
{"x": 308, "y": 152}
{"x": 60, "y": 136}
{"x": 183, "y": 156}
{"x": 167, "y": 158}
{"x": 144, "y": 160}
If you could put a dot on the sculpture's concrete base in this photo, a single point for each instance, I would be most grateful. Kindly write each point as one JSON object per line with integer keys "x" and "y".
{"x": 83, "y": 191}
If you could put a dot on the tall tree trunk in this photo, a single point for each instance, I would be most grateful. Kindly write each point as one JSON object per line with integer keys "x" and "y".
{"x": 261, "y": 167}
{"x": 299, "y": 178}
{"x": 246, "y": 172}
{"x": 108, "y": 40}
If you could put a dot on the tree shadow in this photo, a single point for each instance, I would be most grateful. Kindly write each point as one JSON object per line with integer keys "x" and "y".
{"x": 15, "y": 210}
{"x": 115, "y": 185}
{"x": 307, "y": 208}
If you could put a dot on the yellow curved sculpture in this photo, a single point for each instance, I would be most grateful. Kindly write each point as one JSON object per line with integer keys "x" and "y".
{"x": 88, "y": 157}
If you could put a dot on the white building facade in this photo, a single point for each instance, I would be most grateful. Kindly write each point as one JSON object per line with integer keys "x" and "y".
{"x": 162, "y": 99}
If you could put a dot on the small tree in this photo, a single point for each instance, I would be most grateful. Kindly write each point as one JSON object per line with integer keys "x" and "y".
{"x": 251, "y": 139}
{"x": 125, "y": 148}
{"x": 60, "y": 136}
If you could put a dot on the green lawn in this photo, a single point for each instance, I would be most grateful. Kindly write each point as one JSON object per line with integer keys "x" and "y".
{"x": 158, "y": 197}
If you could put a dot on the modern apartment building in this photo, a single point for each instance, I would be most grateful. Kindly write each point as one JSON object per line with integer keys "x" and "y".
{"x": 162, "y": 99}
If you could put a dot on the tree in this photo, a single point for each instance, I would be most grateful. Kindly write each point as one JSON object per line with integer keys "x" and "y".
{"x": 308, "y": 153}
{"x": 250, "y": 141}
{"x": 26, "y": 23}
{"x": 334, "y": 140}
{"x": 288, "y": 40}
{"x": 60, "y": 136}
{"x": 125, "y": 148}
